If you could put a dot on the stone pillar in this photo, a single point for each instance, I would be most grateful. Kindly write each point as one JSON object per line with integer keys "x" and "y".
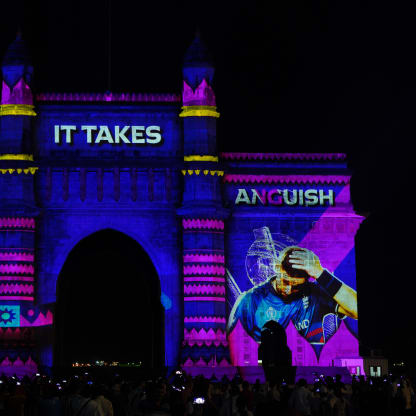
{"x": 17, "y": 215}
{"x": 203, "y": 215}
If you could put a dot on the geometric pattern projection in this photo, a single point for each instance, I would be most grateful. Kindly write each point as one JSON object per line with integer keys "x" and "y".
{"x": 9, "y": 315}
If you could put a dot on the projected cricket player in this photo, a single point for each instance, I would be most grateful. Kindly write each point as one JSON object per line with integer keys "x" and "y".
{"x": 300, "y": 290}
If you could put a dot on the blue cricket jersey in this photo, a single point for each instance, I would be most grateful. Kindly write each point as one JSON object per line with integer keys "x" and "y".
{"x": 306, "y": 309}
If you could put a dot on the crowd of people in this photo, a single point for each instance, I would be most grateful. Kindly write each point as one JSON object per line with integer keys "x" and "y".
{"x": 181, "y": 395}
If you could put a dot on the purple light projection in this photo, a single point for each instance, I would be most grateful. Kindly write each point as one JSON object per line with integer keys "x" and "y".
{"x": 204, "y": 279}
{"x": 41, "y": 320}
{"x": 284, "y": 156}
{"x": 204, "y": 289}
{"x": 204, "y": 319}
{"x": 205, "y": 337}
{"x": 17, "y": 222}
{"x": 203, "y": 94}
{"x": 18, "y": 367}
{"x": 202, "y": 224}
{"x": 203, "y": 258}
{"x": 300, "y": 179}
{"x": 6, "y": 288}
{"x": 331, "y": 238}
{"x": 203, "y": 298}
{"x": 202, "y": 269}
{"x": 19, "y": 94}
{"x": 129, "y": 97}
{"x": 16, "y": 269}
{"x": 14, "y": 256}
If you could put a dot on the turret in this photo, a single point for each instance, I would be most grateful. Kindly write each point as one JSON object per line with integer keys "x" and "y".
{"x": 17, "y": 212}
{"x": 199, "y": 108}
{"x": 203, "y": 217}
{"x": 16, "y": 105}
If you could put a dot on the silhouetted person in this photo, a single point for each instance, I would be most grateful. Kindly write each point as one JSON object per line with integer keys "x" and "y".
{"x": 274, "y": 352}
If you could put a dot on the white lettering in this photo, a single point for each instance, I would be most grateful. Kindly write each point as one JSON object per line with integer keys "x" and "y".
{"x": 68, "y": 130}
{"x": 242, "y": 197}
{"x": 104, "y": 135}
{"x": 137, "y": 131}
{"x": 291, "y": 201}
{"x": 300, "y": 193}
{"x": 153, "y": 135}
{"x": 89, "y": 130}
{"x": 311, "y": 197}
{"x": 120, "y": 134}
{"x": 256, "y": 196}
{"x": 57, "y": 135}
{"x": 329, "y": 197}
{"x": 302, "y": 325}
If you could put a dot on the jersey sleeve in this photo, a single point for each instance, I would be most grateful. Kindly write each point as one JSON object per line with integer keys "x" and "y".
{"x": 325, "y": 303}
{"x": 244, "y": 311}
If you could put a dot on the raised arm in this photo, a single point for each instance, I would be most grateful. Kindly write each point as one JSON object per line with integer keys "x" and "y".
{"x": 344, "y": 295}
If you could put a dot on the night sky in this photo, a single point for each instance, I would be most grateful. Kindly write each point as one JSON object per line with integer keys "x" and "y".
{"x": 307, "y": 76}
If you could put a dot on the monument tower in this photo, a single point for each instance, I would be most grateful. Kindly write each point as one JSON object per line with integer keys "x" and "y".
{"x": 203, "y": 217}
{"x": 17, "y": 209}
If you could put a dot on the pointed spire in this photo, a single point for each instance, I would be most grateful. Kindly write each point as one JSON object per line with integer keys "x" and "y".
{"x": 197, "y": 64}
{"x": 197, "y": 53}
{"x": 16, "y": 62}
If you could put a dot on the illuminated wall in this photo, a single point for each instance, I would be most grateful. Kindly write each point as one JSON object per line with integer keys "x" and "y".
{"x": 215, "y": 226}
{"x": 311, "y": 211}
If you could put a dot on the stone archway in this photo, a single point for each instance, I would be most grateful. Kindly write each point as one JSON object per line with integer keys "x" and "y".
{"x": 108, "y": 297}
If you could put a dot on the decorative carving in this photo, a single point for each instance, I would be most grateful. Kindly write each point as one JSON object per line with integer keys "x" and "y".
{"x": 283, "y": 156}
{"x": 287, "y": 179}
{"x": 202, "y": 224}
{"x": 17, "y": 222}
{"x": 202, "y": 96}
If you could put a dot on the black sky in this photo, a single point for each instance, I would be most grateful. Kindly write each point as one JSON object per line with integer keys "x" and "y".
{"x": 305, "y": 76}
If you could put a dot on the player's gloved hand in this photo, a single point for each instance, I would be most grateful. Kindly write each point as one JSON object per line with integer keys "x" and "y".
{"x": 306, "y": 260}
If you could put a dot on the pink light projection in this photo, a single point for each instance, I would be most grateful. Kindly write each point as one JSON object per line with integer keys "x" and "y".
{"x": 210, "y": 368}
{"x": 202, "y": 336}
{"x": 26, "y": 289}
{"x": 201, "y": 258}
{"x": 204, "y": 319}
{"x": 17, "y": 269}
{"x": 17, "y": 297}
{"x": 331, "y": 255}
{"x": 41, "y": 320}
{"x": 13, "y": 334}
{"x": 204, "y": 289}
{"x": 17, "y": 257}
{"x": 17, "y": 278}
{"x": 203, "y": 94}
{"x": 19, "y": 94}
{"x": 207, "y": 343}
{"x": 17, "y": 222}
{"x": 343, "y": 344}
{"x": 302, "y": 351}
{"x": 201, "y": 269}
{"x": 18, "y": 367}
{"x": 286, "y": 179}
{"x": 204, "y": 279}
{"x": 109, "y": 97}
{"x": 243, "y": 348}
{"x": 203, "y": 298}
{"x": 203, "y": 224}
{"x": 284, "y": 156}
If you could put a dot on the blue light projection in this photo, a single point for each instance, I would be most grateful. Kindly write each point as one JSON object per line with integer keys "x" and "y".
{"x": 9, "y": 315}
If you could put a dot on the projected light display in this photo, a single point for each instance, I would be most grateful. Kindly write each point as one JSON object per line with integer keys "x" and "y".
{"x": 9, "y": 315}
{"x": 290, "y": 285}
{"x": 237, "y": 240}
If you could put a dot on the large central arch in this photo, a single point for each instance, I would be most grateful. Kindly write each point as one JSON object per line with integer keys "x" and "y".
{"x": 108, "y": 303}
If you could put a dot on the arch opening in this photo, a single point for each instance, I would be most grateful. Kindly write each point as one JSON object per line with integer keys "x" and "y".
{"x": 108, "y": 304}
